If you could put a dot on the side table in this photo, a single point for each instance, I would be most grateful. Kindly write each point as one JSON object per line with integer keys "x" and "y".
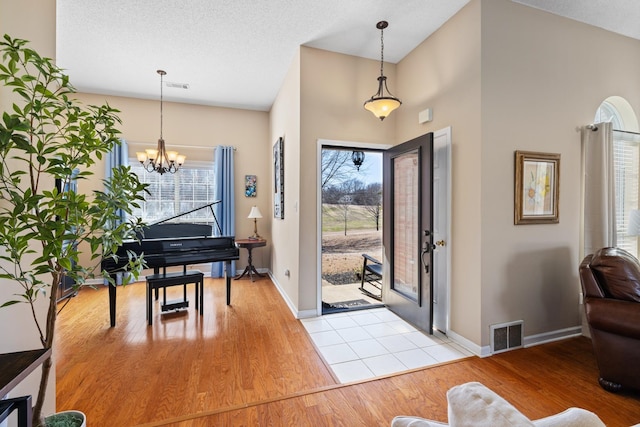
{"x": 249, "y": 244}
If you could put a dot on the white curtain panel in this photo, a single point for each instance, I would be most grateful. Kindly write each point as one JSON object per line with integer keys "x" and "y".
{"x": 599, "y": 188}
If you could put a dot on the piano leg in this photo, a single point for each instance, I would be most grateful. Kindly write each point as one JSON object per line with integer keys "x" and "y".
{"x": 112, "y": 304}
{"x": 227, "y": 276}
{"x": 201, "y": 285}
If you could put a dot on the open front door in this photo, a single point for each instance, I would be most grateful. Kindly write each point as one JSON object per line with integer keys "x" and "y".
{"x": 407, "y": 230}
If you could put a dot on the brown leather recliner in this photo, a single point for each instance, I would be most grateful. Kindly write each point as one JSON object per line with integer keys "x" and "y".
{"x": 610, "y": 281}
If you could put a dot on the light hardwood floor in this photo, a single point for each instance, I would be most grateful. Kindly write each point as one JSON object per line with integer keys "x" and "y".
{"x": 253, "y": 364}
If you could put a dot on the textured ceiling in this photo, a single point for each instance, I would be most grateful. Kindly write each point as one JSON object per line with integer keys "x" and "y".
{"x": 235, "y": 53}
{"x": 619, "y": 16}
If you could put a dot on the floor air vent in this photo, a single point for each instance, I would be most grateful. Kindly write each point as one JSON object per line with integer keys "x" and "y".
{"x": 506, "y": 336}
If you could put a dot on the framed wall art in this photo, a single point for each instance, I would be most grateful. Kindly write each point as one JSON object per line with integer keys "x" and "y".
{"x": 537, "y": 187}
{"x": 250, "y": 186}
{"x": 278, "y": 178}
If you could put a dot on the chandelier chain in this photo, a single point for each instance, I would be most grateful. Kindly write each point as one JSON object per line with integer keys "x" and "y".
{"x": 381, "y": 51}
{"x": 161, "y": 84}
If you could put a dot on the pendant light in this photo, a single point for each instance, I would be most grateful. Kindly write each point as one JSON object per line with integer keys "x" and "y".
{"x": 357, "y": 157}
{"x": 381, "y": 104}
{"x": 160, "y": 160}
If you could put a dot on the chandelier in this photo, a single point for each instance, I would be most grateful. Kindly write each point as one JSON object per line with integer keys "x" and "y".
{"x": 382, "y": 105}
{"x": 160, "y": 160}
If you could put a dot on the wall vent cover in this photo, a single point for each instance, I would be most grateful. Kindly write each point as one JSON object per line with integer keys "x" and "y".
{"x": 177, "y": 85}
{"x": 507, "y": 336}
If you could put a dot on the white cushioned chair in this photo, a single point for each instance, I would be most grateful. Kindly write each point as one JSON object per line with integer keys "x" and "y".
{"x": 474, "y": 405}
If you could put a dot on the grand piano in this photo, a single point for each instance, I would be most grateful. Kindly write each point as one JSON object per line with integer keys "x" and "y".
{"x": 166, "y": 244}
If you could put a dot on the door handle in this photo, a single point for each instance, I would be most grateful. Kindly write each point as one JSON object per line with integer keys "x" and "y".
{"x": 426, "y": 248}
{"x": 425, "y": 251}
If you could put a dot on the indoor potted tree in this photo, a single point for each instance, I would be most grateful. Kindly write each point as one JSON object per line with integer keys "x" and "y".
{"x": 66, "y": 419}
{"x": 48, "y": 138}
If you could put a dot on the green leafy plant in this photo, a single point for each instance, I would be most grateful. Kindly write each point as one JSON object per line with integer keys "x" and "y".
{"x": 47, "y": 137}
{"x": 64, "y": 419}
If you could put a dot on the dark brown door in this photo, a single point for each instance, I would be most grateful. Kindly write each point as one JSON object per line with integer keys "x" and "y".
{"x": 407, "y": 230}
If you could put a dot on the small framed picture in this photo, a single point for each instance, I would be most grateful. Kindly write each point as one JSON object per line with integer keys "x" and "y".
{"x": 278, "y": 178}
{"x": 250, "y": 189}
{"x": 537, "y": 187}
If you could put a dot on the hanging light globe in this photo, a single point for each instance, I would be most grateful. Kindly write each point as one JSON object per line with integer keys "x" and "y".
{"x": 382, "y": 103}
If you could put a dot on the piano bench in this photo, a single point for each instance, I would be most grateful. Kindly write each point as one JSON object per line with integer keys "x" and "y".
{"x": 157, "y": 281}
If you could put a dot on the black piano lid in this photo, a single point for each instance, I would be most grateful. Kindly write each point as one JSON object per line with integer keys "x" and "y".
{"x": 209, "y": 205}
{"x": 173, "y": 230}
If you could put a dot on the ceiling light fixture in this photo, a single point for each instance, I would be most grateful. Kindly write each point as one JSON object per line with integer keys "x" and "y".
{"x": 160, "y": 160}
{"x": 382, "y": 105}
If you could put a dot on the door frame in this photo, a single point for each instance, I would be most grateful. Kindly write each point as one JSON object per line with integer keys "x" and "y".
{"x": 338, "y": 144}
{"x": 447, "y": 133}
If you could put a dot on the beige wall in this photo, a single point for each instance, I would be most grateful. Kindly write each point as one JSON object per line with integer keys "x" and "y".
{"x": 542, "y": 77}
{"x": 321, "y": 98}
{"x": 18, "y": 331}
{"x": 508, "y": 77}
{"x": 443, "y": 73}
{"x": 285, "y": 123}
{"x": 187, "y": 126}
{"x": 333, "y": 88}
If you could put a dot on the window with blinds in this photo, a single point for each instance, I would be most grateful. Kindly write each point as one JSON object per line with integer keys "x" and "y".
{"x": 170, "y": 194}
{"x": 626, "y": 152}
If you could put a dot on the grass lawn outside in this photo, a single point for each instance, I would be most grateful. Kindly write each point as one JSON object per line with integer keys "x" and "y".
{"x": 342, "y": 254}
{"x": 357, "y": 218}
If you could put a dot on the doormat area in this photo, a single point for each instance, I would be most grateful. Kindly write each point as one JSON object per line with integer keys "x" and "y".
{"x": 356, "y": 304}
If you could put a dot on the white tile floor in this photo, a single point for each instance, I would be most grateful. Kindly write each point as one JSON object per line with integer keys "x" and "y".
{"x": 365, "y": 344}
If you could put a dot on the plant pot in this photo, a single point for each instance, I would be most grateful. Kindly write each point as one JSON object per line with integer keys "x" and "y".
{"x": 66, "y": 419}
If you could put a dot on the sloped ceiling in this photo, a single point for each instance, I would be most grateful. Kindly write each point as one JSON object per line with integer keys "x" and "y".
{"x": 235, "y": 53}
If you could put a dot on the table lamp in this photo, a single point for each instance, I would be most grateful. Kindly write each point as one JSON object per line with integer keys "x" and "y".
{"x": 255, "y": 214}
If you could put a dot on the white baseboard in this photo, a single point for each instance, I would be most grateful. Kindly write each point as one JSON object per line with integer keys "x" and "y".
{"x": 306, "y": 314}
{"x": 469, "y": 345}
{"x": 529, "y": 341}
{"x": 297, "y": 314}
{"x": 284, "y": 296}
{"x": 552, "y": 336}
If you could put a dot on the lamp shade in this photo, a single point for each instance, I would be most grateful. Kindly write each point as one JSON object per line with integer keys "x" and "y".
{"x": 634, "y": 223}
{"x": 383, "y": 102}
{"x": 255, "y": 213}
{"x": 382, "y": 107}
